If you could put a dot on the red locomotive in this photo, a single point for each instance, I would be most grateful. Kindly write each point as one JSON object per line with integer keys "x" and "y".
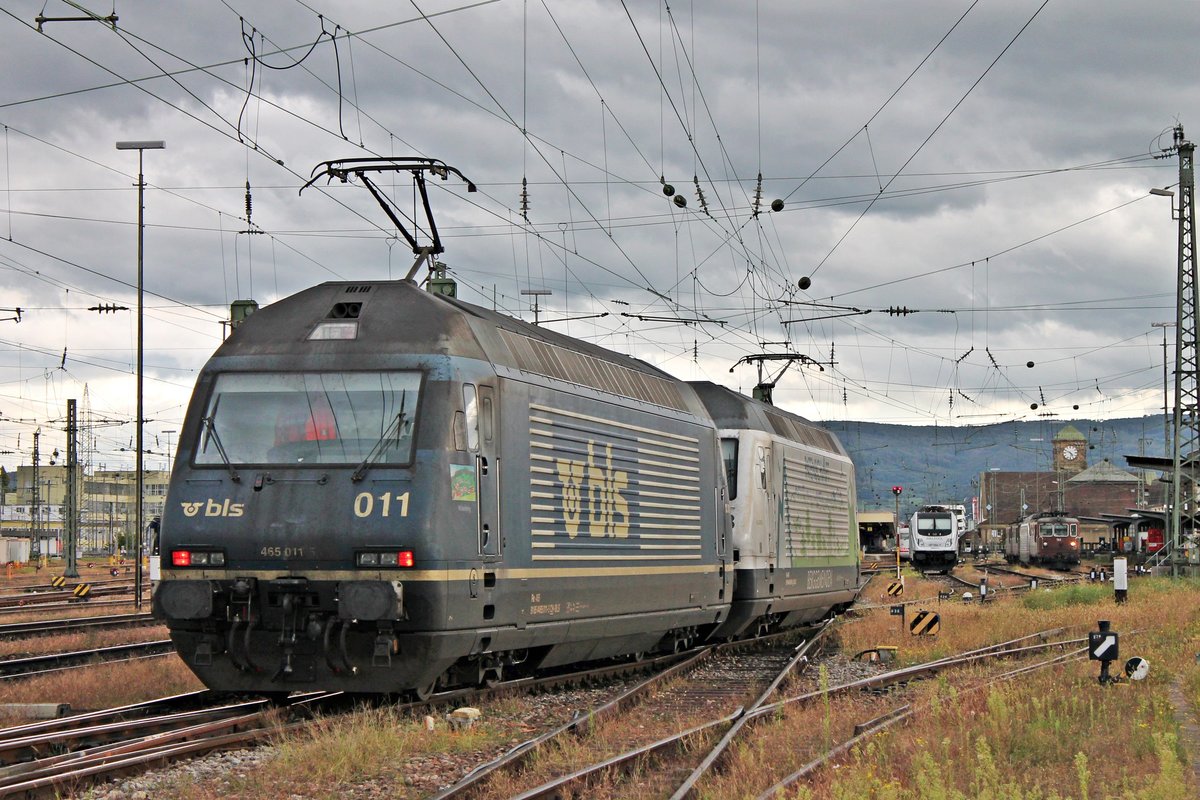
{"x": 1050, "y": 540}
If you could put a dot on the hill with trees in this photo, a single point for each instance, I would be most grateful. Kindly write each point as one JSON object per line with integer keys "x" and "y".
{"x": 937, "y": 464}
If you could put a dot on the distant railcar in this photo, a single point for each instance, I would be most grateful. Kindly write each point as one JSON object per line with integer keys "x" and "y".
{"x": 933, "y": 533}
{"x": 1050, "y": 540}
{"x": 1154, "y": 540}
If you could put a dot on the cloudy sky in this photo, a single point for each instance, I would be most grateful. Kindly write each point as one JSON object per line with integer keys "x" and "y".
{"x": 984, "y": 165}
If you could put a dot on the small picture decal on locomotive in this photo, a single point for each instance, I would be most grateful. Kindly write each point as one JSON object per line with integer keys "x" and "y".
{"x": 462, "y": 483}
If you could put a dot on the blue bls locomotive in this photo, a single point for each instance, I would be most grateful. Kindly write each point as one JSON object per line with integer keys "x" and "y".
{"x": 383, "y": 490}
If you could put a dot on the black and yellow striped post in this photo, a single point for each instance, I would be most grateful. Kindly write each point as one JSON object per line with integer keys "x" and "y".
{"x": 58, "y": 581}
{"x": 82, "y": 591}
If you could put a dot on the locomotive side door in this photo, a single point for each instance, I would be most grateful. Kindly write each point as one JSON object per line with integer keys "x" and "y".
{"x": 487, "y": 467}
{"x": 766, "y": 482}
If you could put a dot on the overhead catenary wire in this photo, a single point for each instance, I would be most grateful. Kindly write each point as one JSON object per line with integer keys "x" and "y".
{"x": 701, "y": 281}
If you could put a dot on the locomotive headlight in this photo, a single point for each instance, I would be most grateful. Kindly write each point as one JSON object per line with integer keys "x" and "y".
{"x": 326, "y": 331}
{"x": 387, "y": 558}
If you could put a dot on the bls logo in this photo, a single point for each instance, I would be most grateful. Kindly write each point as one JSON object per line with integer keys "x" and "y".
{"x": 214, "y": 509}
{"x": 591, "y": 495}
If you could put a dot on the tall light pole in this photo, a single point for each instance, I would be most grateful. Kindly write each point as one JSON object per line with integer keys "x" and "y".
{"x": 141, "y": 146}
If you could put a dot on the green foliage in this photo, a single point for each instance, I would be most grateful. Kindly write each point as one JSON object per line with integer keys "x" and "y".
{"x": 1080, "y": 594}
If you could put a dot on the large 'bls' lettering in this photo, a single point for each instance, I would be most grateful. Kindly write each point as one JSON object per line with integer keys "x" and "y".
{"x": 608, "y": 510}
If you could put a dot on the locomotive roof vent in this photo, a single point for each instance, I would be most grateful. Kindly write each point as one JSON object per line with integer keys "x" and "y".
{"x": 361, "y": 288}
{"x": 344, "y": 311}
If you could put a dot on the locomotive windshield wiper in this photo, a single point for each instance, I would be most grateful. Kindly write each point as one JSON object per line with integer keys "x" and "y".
{"x": 396, "y": 426}
{"x": 210, "y": 429}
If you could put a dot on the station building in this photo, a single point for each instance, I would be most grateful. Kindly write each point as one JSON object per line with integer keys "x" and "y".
{"x": 1095, "y": 493}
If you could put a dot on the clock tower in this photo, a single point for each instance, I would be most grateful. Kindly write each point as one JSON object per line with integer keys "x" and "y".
{"x": 1070, "y": 451}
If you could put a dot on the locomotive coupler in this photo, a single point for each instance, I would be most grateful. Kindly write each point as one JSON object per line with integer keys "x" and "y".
{"x": 385, "y": 645}
{"x": 287, "y": 627}
{"x": 285, "y": 666}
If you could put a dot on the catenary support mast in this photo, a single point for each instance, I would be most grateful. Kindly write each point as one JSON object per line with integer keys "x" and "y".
{"x": 1186, "y": 433}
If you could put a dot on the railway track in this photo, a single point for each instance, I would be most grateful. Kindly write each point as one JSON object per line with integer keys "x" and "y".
{"x": 30, "y": 599}
{"x": 72, "y": 604}
{"x": 29, "y": 666}
{"x": 60, "y": 757}
{"x": 699, "y": 699}
{"x": 686, "y": 762}
{"x": 13, "y": 630}
{"x": 679, "y": 743}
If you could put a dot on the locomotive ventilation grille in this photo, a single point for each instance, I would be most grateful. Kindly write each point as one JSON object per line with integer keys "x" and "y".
{"x": 816, "y": 506}
{"x": 543, "y": 358}
{"x": 612, "y": 491}
{"x": 799, "y": 432}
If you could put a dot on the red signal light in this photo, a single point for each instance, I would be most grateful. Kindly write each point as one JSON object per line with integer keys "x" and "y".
{"x": 897, "y": 489}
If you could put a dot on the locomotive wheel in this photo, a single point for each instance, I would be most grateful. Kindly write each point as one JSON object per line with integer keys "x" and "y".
{"x": 423, "y": 693}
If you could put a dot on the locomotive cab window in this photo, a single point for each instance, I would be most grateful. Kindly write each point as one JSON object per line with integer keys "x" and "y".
{"x": 729, "y": 454}
{"x": 471, "y": 405}
{"x": 935, "y": 526}
{"x": 301, "y": 419}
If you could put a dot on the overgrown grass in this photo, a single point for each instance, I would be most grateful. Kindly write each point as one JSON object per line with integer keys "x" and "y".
{"x": 1056, "y": 734}
{"x": 103, "y": 686}
{"x": 370, "y": 752}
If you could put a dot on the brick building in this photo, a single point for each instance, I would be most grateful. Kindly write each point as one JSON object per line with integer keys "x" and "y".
{"x": 1071, "y": 486}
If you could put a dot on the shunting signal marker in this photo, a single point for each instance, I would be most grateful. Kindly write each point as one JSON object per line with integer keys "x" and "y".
{"x": 925, "y": 623}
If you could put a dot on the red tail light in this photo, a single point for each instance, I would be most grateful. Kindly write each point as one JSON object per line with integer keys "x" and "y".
{"x": 181, "y": 558}
{"x": 405, "y": 558}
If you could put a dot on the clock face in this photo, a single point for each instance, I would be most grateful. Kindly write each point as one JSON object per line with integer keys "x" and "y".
{"x": 1069, "y": 452}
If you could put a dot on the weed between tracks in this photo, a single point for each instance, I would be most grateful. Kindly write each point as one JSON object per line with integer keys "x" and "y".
{"x": 82, "y": 640}
{"x": 102, "y": 686}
